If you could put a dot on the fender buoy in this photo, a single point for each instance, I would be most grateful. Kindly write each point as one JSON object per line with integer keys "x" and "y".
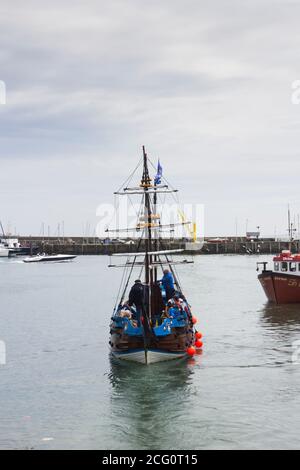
{"x": 191, "y": 351}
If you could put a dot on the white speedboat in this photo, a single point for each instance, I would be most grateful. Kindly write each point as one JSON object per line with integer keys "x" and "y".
{"x": 42, "y": 258}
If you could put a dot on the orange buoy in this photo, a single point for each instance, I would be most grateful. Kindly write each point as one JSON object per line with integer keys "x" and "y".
{"x": 198, "y": 344}
{"x": 194, "y": 320}
{"x": 198, "y": 335}
{"x": 191, "y": 351}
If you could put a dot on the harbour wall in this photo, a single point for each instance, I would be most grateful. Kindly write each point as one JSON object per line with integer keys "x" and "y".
{"x": 94, "y": 246}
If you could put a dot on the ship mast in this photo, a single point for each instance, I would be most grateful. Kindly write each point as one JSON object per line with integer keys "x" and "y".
{"x": 289, "y": 226}
{"x": 291, "y": 229}
{"x": 156, "y": 233}
{"x": 152, "y": 255}
{"x": 146, "y": 184}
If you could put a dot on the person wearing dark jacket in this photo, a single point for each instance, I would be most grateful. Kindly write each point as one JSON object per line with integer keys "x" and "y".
{"x": 137, "y": 297}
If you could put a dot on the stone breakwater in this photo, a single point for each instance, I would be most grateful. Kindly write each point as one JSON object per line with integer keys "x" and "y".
{"x": 94, "y": 246}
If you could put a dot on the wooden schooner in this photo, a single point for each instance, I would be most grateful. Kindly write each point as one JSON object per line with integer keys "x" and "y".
{"x": 158, "y": 328}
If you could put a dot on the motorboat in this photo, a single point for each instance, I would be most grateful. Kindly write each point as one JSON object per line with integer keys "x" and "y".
{"x": 4, "y": 252}
{"x": 281, "y": 283}
{"x": 43, "y": 258}
{"x": 14, "y": 246}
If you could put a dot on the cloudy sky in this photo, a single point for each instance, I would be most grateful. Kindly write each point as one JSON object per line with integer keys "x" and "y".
{"x": 205, "y": 85}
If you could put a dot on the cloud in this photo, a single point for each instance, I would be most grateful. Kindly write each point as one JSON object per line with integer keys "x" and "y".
{"x": 205, "y": 85}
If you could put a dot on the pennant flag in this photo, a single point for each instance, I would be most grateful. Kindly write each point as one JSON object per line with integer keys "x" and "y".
{"x": 158, "y": 176}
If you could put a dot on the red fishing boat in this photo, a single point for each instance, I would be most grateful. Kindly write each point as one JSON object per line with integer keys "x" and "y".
{"x": 282, "y": 283}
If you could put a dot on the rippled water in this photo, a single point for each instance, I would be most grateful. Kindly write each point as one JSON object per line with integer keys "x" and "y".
{"x": 60, "y": 389}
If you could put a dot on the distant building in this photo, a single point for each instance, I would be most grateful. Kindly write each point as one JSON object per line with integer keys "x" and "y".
{"x": 251, "y": 235}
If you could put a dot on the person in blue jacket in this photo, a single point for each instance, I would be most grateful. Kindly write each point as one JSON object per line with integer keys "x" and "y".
{"x": 168, "y": 284}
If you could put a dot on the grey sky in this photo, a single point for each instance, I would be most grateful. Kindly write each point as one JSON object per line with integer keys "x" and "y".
{"x": 205, "y": 85}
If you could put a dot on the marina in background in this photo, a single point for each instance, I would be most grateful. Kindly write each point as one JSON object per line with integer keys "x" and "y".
{"x": 210, "y": 245}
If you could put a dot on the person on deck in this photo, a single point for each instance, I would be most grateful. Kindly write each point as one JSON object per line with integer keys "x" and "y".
{"x": 168, "y": 284}
{"x": 176, "y": 307}
{"x": 137, "y": 297}
{"x": 175, "y": 302}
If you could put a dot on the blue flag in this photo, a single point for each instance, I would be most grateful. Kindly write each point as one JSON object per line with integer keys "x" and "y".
{"x": 158, "y": 176}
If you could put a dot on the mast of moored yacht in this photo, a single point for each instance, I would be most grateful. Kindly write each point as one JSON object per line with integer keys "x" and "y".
{"x": 291, "y": 229}
{"x": 3, "y": 233}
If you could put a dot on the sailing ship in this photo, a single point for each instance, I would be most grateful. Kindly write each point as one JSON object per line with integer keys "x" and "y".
{"x": 158, "y": 329}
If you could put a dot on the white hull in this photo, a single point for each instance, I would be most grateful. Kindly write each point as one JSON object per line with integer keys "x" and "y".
{"x": 4, "y": 253}
{"x": 49, "y": 258}
{"x": 148, "y": 357}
